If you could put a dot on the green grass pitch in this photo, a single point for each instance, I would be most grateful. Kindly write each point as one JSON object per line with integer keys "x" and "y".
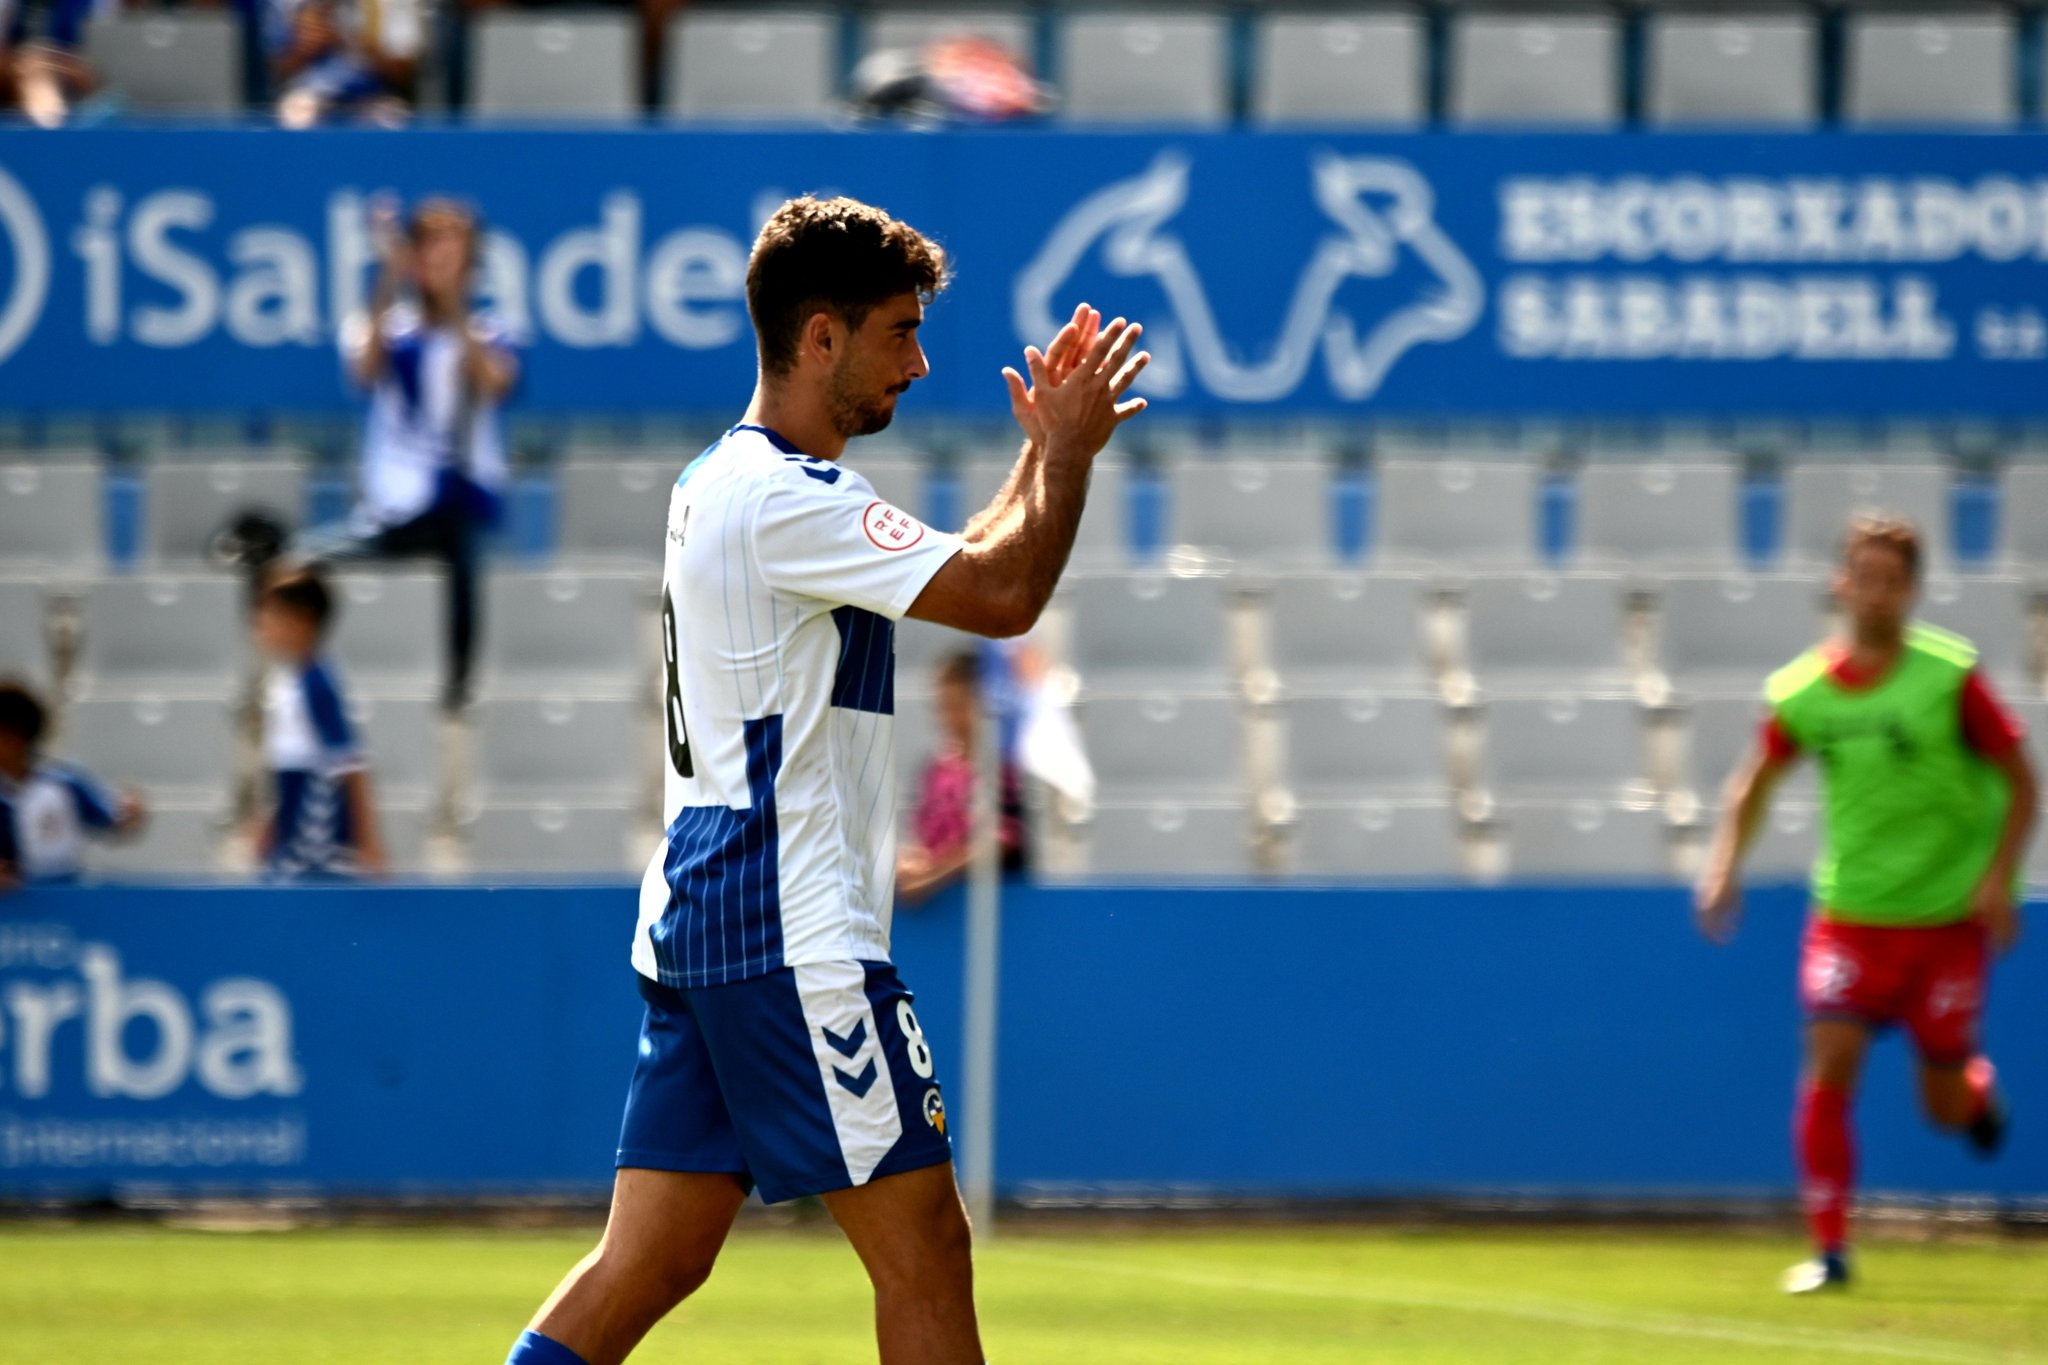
{"x": 102, "y": 1294}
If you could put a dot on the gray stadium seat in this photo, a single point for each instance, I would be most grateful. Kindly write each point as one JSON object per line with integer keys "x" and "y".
{"x": 895, "y": 30}
{"x": 1725, "y": 633}
{"x": 1562, "y": 743}
{"x": 615, "y": 510}
{"x": 550, "y": 838}
{"x": 25, "y": 632}
{"x": 1375, "y": 839}
{"x": 1334, "y": 630}
{"x": 1821, "y": 498}
{"x": 405, "y": 819}
{"x": 1145, "y": 66}
{"x": 1586, "y": 840}
{"x": 764, "y": 65}
{"x": 580, "y": 64}
{"x": 1993, "y": 613}
{"x": 1366, "y": 742}
{"x": 1159, "y": 743}
{"x": 1531, "y": 626}
{"x": 1957, "y": 64}
{"x": 1659, "y": 515}
{"x": 387, "y": 631}
{"x": 169, "y": 62}
{"x": 1252, "y": 510}
{"x": 1454, "y": 512}
{"x": 1126, "y": 630}
{"x": 1721, "y": 732}
{"x": 164, "y": 631}
{"x": 1747, "y": 66}
{"x": 1364, "y": 66}
{"x": 51, "y": 517}
{"x": 400, "y": 738}
{"x": 1535, "y": 67}
{"x": 1103, "y": 536}
{"x": 1167, "y": 839}
{"x": 560, "y": 746}
{"x": 163, "y": 744}
{"x": 602, "y": 627}
{"x": 186, "y": 503}
{"x": 2023, "y": 518}
{"x": 181, "y": 838}
{"x": 1785, "y": 844}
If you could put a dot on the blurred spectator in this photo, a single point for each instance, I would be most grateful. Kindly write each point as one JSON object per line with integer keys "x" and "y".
{"x": 942, "y": 824}
{"x": 433, "y": 460}
{"x": 40, "y": 67}
{"x": 959, "y": 77}
{"x": 47, "y": 810}
{"x": 335, "y": 57}
{"x": 322, "y": 824}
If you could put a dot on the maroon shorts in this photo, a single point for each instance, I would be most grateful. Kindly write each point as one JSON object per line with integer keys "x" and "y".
{"x": 1930, "y": 980}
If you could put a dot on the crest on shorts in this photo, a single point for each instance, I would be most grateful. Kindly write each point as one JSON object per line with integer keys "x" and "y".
{"x": 935, "y": 1110}
{"x": 1829, "y": 977}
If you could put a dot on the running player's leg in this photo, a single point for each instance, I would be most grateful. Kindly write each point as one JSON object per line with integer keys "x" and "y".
{"x": 910, "y": 1231}
{"x": 1823, "y": 1131}
{"x": 1958, "y": 1084}
{"x": 665, "y": 1231}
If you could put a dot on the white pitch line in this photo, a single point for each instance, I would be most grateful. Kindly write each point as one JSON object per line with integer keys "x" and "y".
{"x": 1411, "y": 1294}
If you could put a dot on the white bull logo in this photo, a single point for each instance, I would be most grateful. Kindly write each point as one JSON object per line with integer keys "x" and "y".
{"x": 1381, "y": 206}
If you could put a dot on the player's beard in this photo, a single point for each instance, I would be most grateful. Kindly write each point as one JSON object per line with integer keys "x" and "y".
{"x": 854, "y": 414}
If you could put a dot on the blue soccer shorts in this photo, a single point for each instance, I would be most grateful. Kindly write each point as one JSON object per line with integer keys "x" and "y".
{"x": 802, "y": 1081}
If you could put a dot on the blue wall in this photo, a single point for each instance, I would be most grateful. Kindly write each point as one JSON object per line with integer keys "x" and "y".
{"x": 1329, "y": 272}
{"x": 1262, "y": 1041}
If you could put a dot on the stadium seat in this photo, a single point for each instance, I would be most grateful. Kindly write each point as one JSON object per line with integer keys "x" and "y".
{"x": 603, "y": 628}
{"x": 1251, "y": 510}
{"x": 560, "y": 746}
{"x": 1953, "y": 64}
{"x": 401, "y": 741}
{"x": 759, "y": 65}
{"x": 405, "y": 819}
{"x": 181, "y": 838}
{"x": 1723, "y": 634}
{"x": 1366, "y": 742}
{"x": 187, "y": 503}
{"x": 1994, "y": 613}
{"x": 1127, "y": 631}
{"x": 387, "y": 631}
{"x": 1535, "y": 67}
{"x": 1144, "y": 66}
{"x": 1562, "y": 743}
{"x": 169, "y": 62}
{"x": 1659, "y": 515}
{"x": 1104, "y": 534}
{"x": 25, "y": 632}
{"x": 615, "y": 511}
{"x": 164, "y": 631}
{"x": 1159, "y": 744}
{"x": 1363, "y": 66}
{"x": 1747, "y": 66}
{"x": 1456, "y": 513}
{"x": 163, "y": 744}
{"x": 1375, "y": 839}
{"x": 2023, "y": 519}
{"x": 51, "y": 517}
{"x": 1721, "y": 732}
{"x": 1820, "y": 499}
{"x": 1167, "y": 839}
{"x": 552, "y": 838}
{"x": 1586, "y": 840}
{"x": 1527, "y": 629}
{"x": 900, "y": 30}
{"x": 579, "y": 64}
{"x": 1333, "y": 630}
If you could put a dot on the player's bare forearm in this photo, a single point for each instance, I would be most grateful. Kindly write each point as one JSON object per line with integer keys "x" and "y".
{"x": 490, "y": 372}
{"x": 1008, "y": 503}
{"x": 2020, "y": 815}
{"x": 1001, "y": 580}
{"x": 1745, "y": 801}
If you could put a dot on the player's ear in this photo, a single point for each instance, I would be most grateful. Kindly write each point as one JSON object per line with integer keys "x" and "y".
{"x": 820, "y": 336}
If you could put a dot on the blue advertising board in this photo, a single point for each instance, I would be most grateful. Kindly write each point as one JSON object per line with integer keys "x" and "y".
{"x": 1295, "y": 273}
{"x": 1254, "y": 1041}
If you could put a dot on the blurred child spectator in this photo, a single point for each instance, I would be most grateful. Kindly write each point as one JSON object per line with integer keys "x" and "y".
{"x": 47, "y": 810}
{"x": 40, "y": 68}
{"x": 323, "y": 823}
{"x": 942, "y": 823}
{"x": 437, "y": 369}
{"x": 344, "y": 57}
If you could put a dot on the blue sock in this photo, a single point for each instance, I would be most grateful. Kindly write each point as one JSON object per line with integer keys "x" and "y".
{"x": 534, "y": 1349}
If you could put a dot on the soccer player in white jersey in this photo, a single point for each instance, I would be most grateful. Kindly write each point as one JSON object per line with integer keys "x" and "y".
{"x": 780, "y": 1051}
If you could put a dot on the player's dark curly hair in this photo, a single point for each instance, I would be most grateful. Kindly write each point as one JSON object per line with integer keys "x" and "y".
{"x": 836, "y": 256}
{"x": 21, "y": 712}
{"x": 1896, "y": 534}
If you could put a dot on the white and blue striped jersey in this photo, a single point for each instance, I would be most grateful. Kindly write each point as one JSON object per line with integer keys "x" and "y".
{"x": 782, "y": 582}
{"x": 45, "y": 819}
{"x": 309, "y": 746}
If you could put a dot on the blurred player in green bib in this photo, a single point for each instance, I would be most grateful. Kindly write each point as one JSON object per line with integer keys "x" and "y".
{"x": 1930, "y": 800}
